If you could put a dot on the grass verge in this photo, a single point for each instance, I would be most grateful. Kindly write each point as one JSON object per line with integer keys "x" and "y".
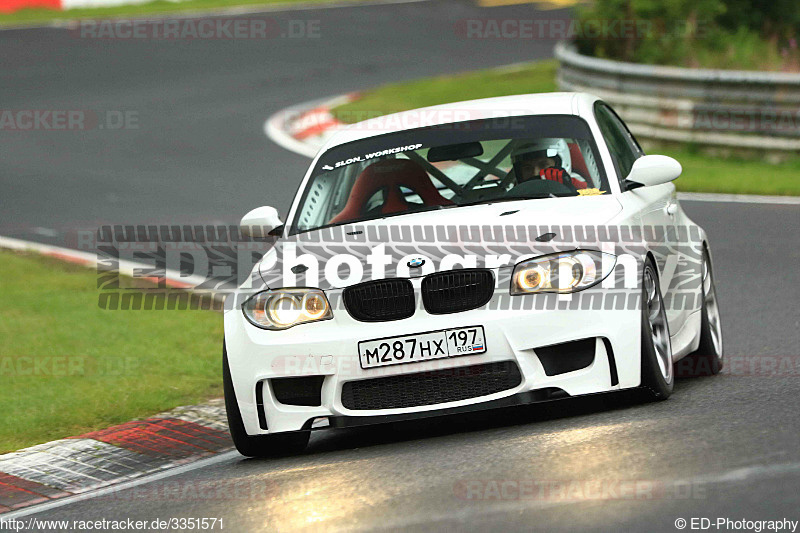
{"x": 159, "y": 7}
{"x": 68, "y": 367}
{"x": 701, "y": 172}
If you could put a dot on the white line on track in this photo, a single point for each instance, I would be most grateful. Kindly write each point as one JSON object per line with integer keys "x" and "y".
{"x": 54, "y": 504}
{"x": 738, "y": 198}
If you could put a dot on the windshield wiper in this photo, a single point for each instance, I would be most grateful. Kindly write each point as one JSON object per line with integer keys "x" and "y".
{"x": 505, "y": 199}
{"x": 421, "y": 209}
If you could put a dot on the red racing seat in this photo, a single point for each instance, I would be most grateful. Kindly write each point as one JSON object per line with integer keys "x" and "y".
{"x": 578, "y": 162}
{"x": 389, "y": 175}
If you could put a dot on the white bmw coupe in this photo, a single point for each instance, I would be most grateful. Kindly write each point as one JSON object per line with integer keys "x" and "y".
{"x": 469, "y": 256}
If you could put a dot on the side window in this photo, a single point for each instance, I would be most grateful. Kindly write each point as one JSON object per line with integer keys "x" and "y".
{"x": 629, "y": 138}
{"x": 622, "y": 145}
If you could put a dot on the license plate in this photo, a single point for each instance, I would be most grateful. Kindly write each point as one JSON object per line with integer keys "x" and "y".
{"x": 421, "y": 347}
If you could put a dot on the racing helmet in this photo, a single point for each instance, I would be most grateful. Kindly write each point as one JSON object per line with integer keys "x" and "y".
{"x": 556, "y": 149}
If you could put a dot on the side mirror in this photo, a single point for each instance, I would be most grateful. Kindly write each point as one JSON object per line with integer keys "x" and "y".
{"x": 261, "y": 222}
{"x": 653, "y": 170}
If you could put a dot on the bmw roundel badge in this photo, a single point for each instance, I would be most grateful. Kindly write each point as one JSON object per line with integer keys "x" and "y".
{"x": 416, "y": 262}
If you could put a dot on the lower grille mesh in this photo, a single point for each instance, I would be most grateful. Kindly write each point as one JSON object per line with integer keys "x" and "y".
{"x": 428, "y": 388}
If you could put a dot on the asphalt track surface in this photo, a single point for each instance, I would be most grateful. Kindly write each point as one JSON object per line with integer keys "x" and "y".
{"x": 199, "y": 154}
{"x": 725, "y": 446}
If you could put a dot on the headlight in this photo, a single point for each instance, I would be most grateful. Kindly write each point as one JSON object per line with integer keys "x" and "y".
{"x": 564, "y": 272}
{"x": 284, "y": 308}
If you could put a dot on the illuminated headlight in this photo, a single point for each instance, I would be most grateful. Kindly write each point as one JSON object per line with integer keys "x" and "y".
{"x": 284, "y": 308}
{"x": 565, "y": 272}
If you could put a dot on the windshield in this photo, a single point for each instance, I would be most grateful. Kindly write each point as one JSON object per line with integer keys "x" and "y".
{"x": 451, "y": 165}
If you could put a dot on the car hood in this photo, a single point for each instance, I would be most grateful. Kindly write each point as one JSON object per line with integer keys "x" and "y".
{"x": 444, "y": 239}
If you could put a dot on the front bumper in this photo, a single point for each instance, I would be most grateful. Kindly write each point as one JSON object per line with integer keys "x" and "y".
{"x": 330, "y": 349}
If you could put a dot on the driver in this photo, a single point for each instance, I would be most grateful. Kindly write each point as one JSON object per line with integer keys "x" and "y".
{"x": 547, "y": 159}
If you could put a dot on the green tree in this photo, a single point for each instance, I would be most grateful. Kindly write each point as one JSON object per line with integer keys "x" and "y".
{"x": 723, "y": 33}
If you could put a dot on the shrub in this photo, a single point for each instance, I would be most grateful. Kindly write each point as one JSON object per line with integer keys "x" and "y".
{"x": 713, "y": 33}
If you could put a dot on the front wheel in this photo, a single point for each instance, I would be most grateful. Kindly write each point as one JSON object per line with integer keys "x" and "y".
{"x": 707, "y": 359}
{"x": 256, "y": 445}
{"x": 658, "y": 376}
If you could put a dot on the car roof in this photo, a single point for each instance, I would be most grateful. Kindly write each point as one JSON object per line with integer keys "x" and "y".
{"x": 560, "y": 103}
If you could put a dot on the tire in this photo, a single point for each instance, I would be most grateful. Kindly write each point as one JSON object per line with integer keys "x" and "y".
{"x": 259, "y": 445}
{"x": 658, "y": 375}
{"x": 707, "y": 360}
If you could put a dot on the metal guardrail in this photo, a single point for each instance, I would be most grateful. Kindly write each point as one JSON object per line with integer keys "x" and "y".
{"x": 722, "y": 108}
